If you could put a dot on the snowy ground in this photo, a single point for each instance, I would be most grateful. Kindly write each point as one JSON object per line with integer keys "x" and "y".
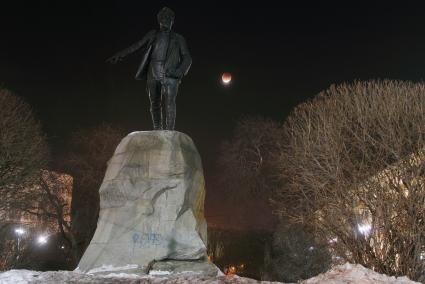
{"x": 342, "y": 274}
{"x": 355, "y": 273}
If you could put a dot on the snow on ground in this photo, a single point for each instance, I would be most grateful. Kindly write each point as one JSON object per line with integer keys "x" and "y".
{"x": 104, "y": 268}
{"x": 355, "y": 273}
{"x": 56, "y": 277}
{"x": 342, "y": 274}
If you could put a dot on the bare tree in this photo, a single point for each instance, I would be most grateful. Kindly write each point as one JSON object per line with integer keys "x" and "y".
{"x": 89, "y": 151}
{"x": 353, "y": 169}
{"x": 47, "y": 212}
{"x": 23, "y": 149}
{"x": 23, "y": 182}
{"x": 247, "y": 161}
{"x": 247, "y": 174}
{"x": 23, "y": 153}
{"x": 9, "y": 255}
{"x": 54, "y": 205}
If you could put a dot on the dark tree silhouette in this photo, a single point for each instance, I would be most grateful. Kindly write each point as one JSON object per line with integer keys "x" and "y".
{"x": 23, "y": 149}
{"x": 89, "y": 151}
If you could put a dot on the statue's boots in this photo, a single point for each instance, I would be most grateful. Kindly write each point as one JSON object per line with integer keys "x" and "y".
{"x": 171, "y": 117}
{"x": 156, "y": 118}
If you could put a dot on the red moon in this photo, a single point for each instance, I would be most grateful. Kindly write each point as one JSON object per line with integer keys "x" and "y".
{"x": 226, "y": 78}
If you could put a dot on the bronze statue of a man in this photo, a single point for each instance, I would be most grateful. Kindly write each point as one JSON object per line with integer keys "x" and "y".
{"x": 166, "y": 60}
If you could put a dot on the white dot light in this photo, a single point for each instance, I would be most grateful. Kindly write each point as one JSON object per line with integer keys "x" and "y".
{"x": 19, "y": 231}
{"x": 41, "y": 240}
{"x": 364, "y": 229}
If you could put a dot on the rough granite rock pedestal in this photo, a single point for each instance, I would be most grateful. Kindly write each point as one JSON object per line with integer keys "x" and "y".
{"x": 151, "y": 208}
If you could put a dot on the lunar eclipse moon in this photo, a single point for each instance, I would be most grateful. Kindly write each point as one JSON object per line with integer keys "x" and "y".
{"x": 226, "y": 78}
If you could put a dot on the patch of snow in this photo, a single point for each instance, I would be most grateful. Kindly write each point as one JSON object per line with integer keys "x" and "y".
{"x": 107, "y": 268}
{"x": 159, "y": 272}
{"x": 341, "y": 274}
{"x": 189, "y": 272}
{"x": 18, "y": 276}
{"x": 121, "y": 275}
{"x": 355, "y": 273}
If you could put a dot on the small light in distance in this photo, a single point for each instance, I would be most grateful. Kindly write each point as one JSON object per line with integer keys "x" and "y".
{"x": 332, "y": 241}
{"x": 19, "y": 231}
{"x": 364, "y": 229}
{"x": 42, "y": 240}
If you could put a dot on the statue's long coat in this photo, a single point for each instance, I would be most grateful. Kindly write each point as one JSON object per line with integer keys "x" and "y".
{"x": 178, "y": 56}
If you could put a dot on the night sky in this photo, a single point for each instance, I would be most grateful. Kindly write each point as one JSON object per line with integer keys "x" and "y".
{"x": 53, "y": 54}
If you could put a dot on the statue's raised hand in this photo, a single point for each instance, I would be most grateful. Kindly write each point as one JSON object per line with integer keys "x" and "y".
{"x": 115, "y": 59}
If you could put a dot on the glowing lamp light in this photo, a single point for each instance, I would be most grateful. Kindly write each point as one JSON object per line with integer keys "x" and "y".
{"x": 332, "y": 241}
{"x": 19, "y": 231}
{"x": 364, "y": 229}
{"x": 230, "y": 270}
{"x": 42, "y": 240}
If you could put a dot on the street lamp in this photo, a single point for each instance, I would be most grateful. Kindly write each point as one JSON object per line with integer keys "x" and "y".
{"x": 42, "y": 240}
{"x": 19, "y": 232}
{"x": 364, "y": 229}
{"x": 333, "y": 240}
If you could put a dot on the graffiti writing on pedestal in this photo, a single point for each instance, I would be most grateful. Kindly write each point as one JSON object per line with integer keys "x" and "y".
{"x": 147, "y": 239}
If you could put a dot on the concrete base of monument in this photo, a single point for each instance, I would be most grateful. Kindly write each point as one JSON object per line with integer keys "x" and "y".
{"x": 151, "y": 208}
{"x": 161, "y": 268}
{"x": 202, "y": 267}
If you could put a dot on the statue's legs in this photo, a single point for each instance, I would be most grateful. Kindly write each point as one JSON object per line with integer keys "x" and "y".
{"x": 169, "y": 91}
{"x": 154, "y": 91}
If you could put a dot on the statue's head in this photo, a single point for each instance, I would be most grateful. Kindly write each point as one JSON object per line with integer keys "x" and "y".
{"x": 165, "y": 18}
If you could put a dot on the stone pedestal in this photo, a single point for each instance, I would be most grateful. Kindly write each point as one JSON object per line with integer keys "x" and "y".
{"x": 151, "y": 208}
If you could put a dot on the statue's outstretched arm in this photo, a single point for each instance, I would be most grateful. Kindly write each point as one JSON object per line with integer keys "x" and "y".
{"x": 133, "y": 48}
{"x": 186, "y": 61}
